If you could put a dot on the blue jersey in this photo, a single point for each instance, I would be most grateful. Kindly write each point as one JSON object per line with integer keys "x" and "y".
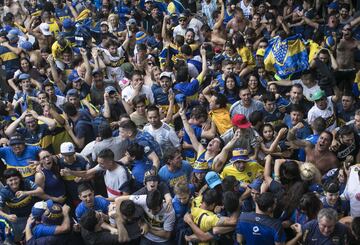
{"x": 20, "y": 162}
{"x": 179, "y": 208}
{"x": 54, "y": 185}
{"x": 313, "y": 236}
{"x": 148, "y": 142}
{"x": 43, "y": 230}
{"x": 20, "y": 206}
{"x": 138, "y": 170}
{"x": 260, "y": 229}
{"x": 171, "y": 178}
{"x": 9, "y": 60}
{"x": 100, "y": 204}
{"x": 63, "y": 13}
{"x": 189, "y": 153}
{"x": 70, "y": 184}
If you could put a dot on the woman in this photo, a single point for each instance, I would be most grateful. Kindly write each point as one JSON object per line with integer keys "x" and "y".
{"x": 48, "y": 178}
{"x": 17, "y": 197}
{"x": 139, "y": 115}
{"x": 114, "y": 25}
{"x": 231, "y": 91}
{"x": 256, "y": 90}
{"x": 27, "y": 67}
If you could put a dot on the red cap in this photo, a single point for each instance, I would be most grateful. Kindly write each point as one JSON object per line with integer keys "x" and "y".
{"x": 240, "y": 121}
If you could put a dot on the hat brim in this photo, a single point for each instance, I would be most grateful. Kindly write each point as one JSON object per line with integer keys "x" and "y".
{"x": 239, "y": 159}
{"x": 16, "y": 142}
{"x": 245, "y": 125}
{"x": 68, "y": 153}
{"x": 216, "y": 183}
{"x": 200, "y": 170}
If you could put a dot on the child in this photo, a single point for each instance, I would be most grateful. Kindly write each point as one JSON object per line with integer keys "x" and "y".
{"x": 270, "y": 143}
{"x": 332, "y": 199}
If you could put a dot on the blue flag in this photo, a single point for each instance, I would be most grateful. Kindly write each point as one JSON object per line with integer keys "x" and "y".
{"x": 286, "y": 57}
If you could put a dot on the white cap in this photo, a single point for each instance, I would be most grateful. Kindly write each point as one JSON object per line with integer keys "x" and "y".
{"x": 45, "y": 29}
{"x": 166, "y": 74}
{"x": 67, "y": 148}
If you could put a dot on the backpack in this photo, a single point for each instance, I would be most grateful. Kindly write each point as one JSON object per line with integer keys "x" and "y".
{"x": 130, "y": 184}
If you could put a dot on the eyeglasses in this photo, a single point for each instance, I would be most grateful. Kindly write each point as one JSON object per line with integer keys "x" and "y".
{"x": 150, "y": 64}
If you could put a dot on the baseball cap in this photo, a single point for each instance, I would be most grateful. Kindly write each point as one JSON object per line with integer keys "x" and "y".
{"x": 72, "y": 92}
{"x": 318, "y": 95}
{"x": 12, "y": 35}
{"x": 166, "y": 74}
{"x": 67, "y": 148}
{"x": 179, "y": 98}
{"x": 256, "y": 184}
{"x": 104, "y": 23}
{"x": 26, "y": 45}
{"x": 240, "y": 121}
{"x": 74, "y": 76}
{"x": 333, "y": 5}
{"x": 212, "y": 179}
{"x": 200, "y": 166}
{"x": 148, "y": 1}
{"x": 131, "y": 22}
{"x": 128, "y": 68}
{"x": 260, "y": 52}
{"x": 16, "y": 139}
{"x": 182, "y": 16}
{"x": 239, "y": 154}
{"x": 45, "y": 29}
{"x": 140, "y": 37}
{"x": 23, "y": 76}
{"x": 110, "y": 89}
{"x": 53, "y": 215}
{"x": 68, "y": 24}
{"x": 39, "y": 208}
{"x": 150, "y": 175}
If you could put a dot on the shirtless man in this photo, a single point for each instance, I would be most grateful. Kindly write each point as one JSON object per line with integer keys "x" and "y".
{"x": 345, "y": 58}
{"x": 238, "y": 23}
{"x": 215, "y": 36}
{"x": 320, "y": 155}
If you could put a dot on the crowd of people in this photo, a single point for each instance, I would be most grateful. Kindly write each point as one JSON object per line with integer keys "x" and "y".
{"x": 180, "y": 122}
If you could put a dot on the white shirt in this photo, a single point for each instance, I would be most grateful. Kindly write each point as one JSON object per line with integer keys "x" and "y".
{"x": 129, "y": 91}
{"x": 328, "y": 114}
{"x": 114, "y": 180}
{"x": 165, "y": 136}
{"x": 352, "y": 191}
{"x": 308, "y": 92}
{"x": 163, "y": 220}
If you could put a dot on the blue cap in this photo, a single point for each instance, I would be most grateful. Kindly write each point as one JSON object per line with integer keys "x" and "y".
{"x": 26, "y": 45}
{"x": 256, "y": 184}
{"x": 68, "y": 24}
{"x": 74, "y": 76}
{"x": 72, "y": 92}
{"x": 333, "y": 5}
{"x": 212, "y": 179}
{"x": 239, "y": 154}
{"x": 110, "y": 89}
{"x": 23, "y": 76}
{"x": 39, "y": 208}
{"x": 141, "y": 37}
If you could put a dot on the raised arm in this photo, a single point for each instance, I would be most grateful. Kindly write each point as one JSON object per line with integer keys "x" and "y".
{"x": 88, "y": 76}
{"x": 274, "y": 145}
{"x": 219, "y": 23}
{"x": 190, "y": 131}
{"x": 222, "y": 157}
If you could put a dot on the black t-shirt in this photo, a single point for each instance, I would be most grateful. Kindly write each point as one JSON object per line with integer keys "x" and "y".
{"x": 351, "y": 150}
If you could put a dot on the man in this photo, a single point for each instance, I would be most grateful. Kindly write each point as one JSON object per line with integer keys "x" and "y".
{"x": 347, "y": 144}
{"x": 71, "y": 160}
{"x": 90, "y": 201}
{"x": 307, "y": 82}
{"x": 205, "y": 220}
{"x": 325, "y": 230}
{"x": 117, "y": 177}
{"x": 160, "y": 220}
{"x": 345, "y": 109}
{"x": 270, "y": 111}
{"x": 324, "y": 107}
{"x": 20, "y": 156}
{"x": 246, "y": 105}
{"x": 297, "y": 97}
{"x": 163, "y": 133}
{"x": 115, "y": 144}
{"x": 355, "y": 124}
{"x": 55, "y": 99}
{"x": 297, "y": 116}
{"x": 175, "y": 168}
{"x": 320, "y": 155}
{"x": 129, "y": 133}
{"x": 136, "y": 87}
{"x": 81, "y": 131}
{"x": 113, "y": 106}
{"x": 249, "y": 137}
{"x": 34, "y": 133}
{"x": 244, "y": 169}
{"x": 260, "y": 228}
{"x": 219, "y": 113}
